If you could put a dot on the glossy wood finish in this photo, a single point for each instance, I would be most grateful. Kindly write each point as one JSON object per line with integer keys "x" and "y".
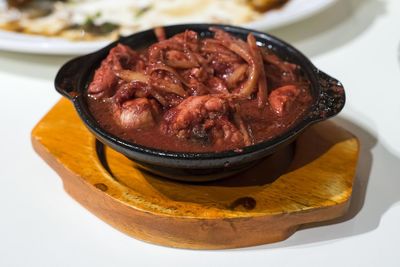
{"x": 310, "y": 181}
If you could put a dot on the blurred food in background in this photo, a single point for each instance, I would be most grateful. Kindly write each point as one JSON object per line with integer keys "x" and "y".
{"x": 107, "y": 19}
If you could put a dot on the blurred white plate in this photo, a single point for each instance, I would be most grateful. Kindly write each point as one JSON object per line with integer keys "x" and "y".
{"x": 294, "y": 11}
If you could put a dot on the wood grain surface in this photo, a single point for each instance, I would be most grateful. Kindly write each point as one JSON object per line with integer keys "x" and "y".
{"x": 310, "y": 181}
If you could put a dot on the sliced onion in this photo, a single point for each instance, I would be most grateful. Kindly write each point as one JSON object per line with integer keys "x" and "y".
{"x": 169, "y": 87}
{"x": 262, "y": 81}
{"x": 181, "y": 63}
{"x": 160, "y": 33}
{"x": 133, "y": 76}
{"x": 274, "y": 60}
{"x": 236, "y": 75}
{"x": 162, "y": 66}
{"x": 215, "y": 46}
{"x": 242, "y": 49}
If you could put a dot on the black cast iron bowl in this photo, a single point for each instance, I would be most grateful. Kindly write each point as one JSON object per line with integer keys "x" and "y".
{"x": 328, "y": 100}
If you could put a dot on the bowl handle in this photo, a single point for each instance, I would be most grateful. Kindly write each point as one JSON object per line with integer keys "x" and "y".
{"x": 331, "y": 99}
{"x": 69, "y": 76}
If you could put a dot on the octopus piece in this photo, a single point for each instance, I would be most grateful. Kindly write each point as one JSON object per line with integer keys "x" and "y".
{"x": 123, "y": 57}
{"x": 166, "y": 80}
{"x": 283, "y": 98}
{"x": 187, "y": 57}
{"x": 131, "y": 90}
{"x": 279, "y": 72}
{"x": 178, "y": 59}
{"x": 105, "y": 80}
{"x": 204, "y": 118}
{"x": 187, "y": 41}
{"x": 162, "y": 84}
{"x": 190, "y": 40}
{"x": 137, "y": 113}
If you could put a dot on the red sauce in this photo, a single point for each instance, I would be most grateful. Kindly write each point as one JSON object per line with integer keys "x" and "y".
{"x": 190, "y": 94}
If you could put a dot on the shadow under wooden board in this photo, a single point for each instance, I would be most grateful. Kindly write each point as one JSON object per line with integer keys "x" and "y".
{"x": 309, "y": 181}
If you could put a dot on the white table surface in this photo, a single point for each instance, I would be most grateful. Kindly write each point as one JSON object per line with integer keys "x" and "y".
{"x": 356, "y": 41}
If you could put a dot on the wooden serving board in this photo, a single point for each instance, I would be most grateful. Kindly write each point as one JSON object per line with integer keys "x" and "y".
{"x": 307, "y": 182}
